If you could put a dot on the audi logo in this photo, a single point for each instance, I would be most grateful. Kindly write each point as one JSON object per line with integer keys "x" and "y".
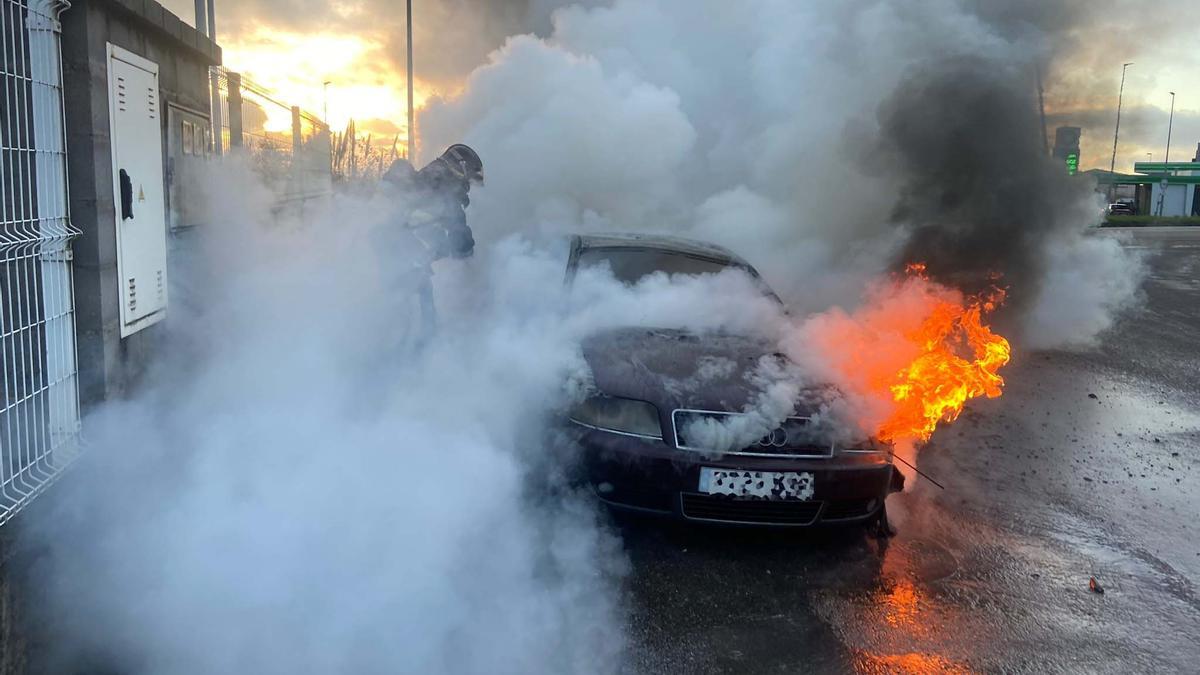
{"x": 776, "y": 439}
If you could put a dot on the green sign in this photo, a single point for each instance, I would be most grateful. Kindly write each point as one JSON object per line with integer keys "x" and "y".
{"x": 1072, "y": 164}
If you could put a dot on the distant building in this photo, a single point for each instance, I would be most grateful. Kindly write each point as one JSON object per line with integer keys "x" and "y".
{"x": 1196, "y": 189}
{"x": 1174, "y": 187}
{"x": 1066, "y": 147}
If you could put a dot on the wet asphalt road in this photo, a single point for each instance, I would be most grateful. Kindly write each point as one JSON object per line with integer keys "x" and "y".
{"x": 1045, "y": 487}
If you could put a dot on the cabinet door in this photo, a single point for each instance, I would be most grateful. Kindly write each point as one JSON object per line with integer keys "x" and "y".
{"x": 136, "y": 125}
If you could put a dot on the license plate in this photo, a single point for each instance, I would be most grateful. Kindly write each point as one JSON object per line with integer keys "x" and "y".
{"x": 760, "y": 484}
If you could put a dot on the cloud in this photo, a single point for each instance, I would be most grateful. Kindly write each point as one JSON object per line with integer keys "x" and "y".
{"x": 450, "y": 37}
{"x": 378, "y": 126}
{"x": 1143, "y": 130}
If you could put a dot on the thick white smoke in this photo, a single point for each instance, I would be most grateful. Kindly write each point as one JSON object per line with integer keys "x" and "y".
{"x": 755, "y": 126}
{"x": 296, "y": 489}
{"x": 1090, "y": 281}
{"x": 778, "y": 388}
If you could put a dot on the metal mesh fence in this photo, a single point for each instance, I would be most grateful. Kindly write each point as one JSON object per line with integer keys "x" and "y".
{"x": 313, "y": 169}
{"x": 288, "y": 147}
{"x": 39, "y": 402}
{"x": 221, "y": 133}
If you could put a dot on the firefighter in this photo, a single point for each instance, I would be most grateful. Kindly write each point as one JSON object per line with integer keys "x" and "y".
{"x": 444, "y": 186}
{"x": 434, "y": 225}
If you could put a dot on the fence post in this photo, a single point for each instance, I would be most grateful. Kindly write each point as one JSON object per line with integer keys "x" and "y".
{"x": 297, "y": 135}
{"x": 235, "y": 109}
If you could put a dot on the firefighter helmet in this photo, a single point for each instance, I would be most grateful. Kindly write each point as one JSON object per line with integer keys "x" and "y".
{"x": 463, "y": 162}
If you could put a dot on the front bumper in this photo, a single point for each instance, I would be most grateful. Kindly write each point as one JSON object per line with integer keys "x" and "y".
{"x": 651, "y": 476}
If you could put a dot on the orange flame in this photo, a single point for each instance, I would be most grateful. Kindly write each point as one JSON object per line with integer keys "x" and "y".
{"x": 916, "y": 352}
{"x": 960, "y": 358}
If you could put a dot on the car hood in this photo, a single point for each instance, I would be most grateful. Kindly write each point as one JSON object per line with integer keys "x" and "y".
{"x": 679, "y": 369}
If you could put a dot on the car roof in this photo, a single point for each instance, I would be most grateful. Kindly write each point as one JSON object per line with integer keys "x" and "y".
{"x": 660, "y": 242}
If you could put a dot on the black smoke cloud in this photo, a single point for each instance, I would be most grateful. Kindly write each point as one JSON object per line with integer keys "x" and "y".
{"x": 976, "y": 188}
{"x": 962, "y": 140}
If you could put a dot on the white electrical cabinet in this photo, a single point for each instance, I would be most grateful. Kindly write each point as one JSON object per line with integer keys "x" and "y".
{"x": 135, "y": 116}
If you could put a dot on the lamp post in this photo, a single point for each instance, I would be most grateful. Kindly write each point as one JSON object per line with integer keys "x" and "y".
{"x": 206, "y": 19}
{"x": 1170, "y": 122}
{"x": 1116, "y": 132}
{"x": 201, "y": 18}
{"x": 325, "y": 101}
{"x": 412, "y": 136}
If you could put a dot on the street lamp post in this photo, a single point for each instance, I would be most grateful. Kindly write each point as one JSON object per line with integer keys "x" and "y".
{"x": 1116, "y": 132}
{"x": 1170, "y": 122}
{"x": 201, "y": 17}
{"x": 412, "y": 136}
{"x": 325, "y": 101}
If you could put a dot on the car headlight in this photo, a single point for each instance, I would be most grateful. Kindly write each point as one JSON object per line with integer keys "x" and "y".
{"x": 619, "y": 415}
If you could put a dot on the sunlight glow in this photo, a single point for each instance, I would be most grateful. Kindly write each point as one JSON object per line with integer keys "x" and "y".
{"x": 364, "y": 82}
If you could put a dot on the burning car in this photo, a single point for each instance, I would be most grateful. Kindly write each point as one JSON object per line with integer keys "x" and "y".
{"x": 638, "y": 430}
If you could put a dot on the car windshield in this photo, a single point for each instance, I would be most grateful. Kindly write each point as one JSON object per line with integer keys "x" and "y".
{"x": 629, "y": 265}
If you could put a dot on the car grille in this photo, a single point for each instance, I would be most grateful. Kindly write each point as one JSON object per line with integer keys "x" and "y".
{"x": 805, "y": 451}
{"x": 707, "y": 507}
{"x": 792, "y": 439}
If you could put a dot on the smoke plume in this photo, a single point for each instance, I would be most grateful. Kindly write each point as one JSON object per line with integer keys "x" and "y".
{"x": 984, "y": 205}
{"x": 299, "y": 486}
{"x": 890, "y": 132}
{"x": 294, "y": 490}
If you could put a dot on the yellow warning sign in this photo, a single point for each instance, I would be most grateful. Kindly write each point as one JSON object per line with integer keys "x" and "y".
{"x": 141, "y": 194}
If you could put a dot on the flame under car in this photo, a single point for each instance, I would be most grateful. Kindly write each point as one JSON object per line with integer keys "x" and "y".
{"x": 636, "y": 429}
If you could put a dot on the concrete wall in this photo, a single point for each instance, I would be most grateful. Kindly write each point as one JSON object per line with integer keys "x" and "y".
{"x": 108, "y": 364}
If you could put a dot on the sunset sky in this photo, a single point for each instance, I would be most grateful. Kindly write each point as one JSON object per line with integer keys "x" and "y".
{"x": 292, "y": 47}
{"x": 293, "y": 58}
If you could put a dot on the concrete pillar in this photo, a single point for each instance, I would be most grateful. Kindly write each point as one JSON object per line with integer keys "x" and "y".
{"x": 202, "y": 17}
{"x": 297, "y": 132}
